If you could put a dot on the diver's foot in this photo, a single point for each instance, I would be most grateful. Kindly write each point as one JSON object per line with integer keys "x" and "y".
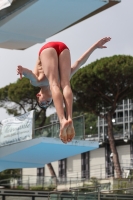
{"x": 63, "y": 134}
{"x": 70, "y": 131}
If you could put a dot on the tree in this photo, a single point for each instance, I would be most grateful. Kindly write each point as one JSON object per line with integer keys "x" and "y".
{"x": 6, "y": 174}
{"x": 20, "y": 97}
{"x": 90, "y": 121}
{"x": 101, "y": 86}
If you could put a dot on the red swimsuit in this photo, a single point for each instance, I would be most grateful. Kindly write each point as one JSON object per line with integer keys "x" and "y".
{"x": 58, "y": 46}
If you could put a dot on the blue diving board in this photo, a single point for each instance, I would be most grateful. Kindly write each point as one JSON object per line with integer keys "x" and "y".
{"x": 35, "y": 153}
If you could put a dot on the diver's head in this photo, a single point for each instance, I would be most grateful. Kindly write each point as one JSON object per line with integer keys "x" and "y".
{"x": 44, "y": 101}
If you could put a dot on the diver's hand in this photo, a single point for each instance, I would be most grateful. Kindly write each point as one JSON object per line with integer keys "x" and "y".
{"x": 100, "y": 43}
{"x": 20, "y": 71}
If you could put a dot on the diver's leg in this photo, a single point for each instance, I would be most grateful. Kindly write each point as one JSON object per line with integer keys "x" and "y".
{"x": 65, "y": 70}
{"x": 49, "y": 62}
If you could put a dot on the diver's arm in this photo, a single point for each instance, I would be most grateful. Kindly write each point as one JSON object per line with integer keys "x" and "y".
{"x": 85, "y": 56}
{"x": 27, "y": 73}
{"x": 35, "y": 80}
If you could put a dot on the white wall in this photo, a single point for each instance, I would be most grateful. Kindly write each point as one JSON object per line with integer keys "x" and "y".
{"x": 124, "y": 158}
{"x": 55, "y": 166}
{"x": 29, "y": 176}
{"x": 29, "y": 171}
{"x": 124, "y": 155}
{"x": 74, "y": 166}
{"x": 97, "y": 163}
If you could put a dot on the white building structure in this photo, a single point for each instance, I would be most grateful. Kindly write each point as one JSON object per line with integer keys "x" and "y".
{"x": 87, "y": 165}
{"x": 98, "y": 162}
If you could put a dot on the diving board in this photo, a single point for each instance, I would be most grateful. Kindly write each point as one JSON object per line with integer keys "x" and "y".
{"x": 37, "y": 152}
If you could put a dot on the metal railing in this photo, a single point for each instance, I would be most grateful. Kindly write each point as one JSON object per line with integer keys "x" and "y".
{"x": 90, "y": 193}
{"x": 98, "y": 172}
{"x": 117, "y": 120}
{"x": 46, "y": 183}
{"x": 95, "y": 137}
{"x": 125, "y": 106}
{"x": 52, "y": 130}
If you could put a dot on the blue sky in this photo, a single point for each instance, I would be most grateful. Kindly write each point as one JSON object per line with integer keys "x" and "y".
{"x": 115, "y": 22}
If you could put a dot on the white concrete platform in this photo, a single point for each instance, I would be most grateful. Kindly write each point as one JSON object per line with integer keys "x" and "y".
{"x": 28, "y": 22}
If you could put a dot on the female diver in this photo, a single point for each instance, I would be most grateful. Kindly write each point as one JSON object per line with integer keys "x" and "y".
{"x": 52, "y": 74}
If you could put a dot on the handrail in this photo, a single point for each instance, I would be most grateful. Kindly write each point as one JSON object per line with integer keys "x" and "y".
{"x": 52, "y": 130}
{"x": 96, "y": 195}
{"x": 119, "y": 189}
{"x": 56, "y": 123}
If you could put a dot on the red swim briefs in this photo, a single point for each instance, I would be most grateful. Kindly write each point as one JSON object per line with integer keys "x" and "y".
{"x": 58, "y": 46}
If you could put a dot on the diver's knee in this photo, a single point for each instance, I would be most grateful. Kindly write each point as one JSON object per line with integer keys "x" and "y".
{"x": 54, "y": 85}
{"x": 64, "y": 85}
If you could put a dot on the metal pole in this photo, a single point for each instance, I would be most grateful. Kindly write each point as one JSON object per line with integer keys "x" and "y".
{"x": 123, "y": 117}
{"x": 84, "y": 126}
{"x": 98, "y": 128}
{"x": 43, "y": 183}
{"x": 56, "y": 183}
{"x": 3, "y": 197}
{"x": 101, "y": 171}
{"x": 28, "y": 182}
{"x": 128, "y": 118}
{"x": 98, "y": 193}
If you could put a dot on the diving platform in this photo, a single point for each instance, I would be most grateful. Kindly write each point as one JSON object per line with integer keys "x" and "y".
{"x": 37, "y": 152}
{"x": 22, "y": 146}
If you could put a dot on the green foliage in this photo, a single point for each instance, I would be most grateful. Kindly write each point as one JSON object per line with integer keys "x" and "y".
{"x": 120, "y": 186}
{"x": 6, "y": 174}
{"x": 21, "y": 93}
{"x": 130, "y": 177}
{"x": 91, "y": 186}
{"x": 100, "y": 86}
{"x": 20, "y": 187}
{"x": 43, "y": 188}
{"x": 47, "y": 122}
{"x": 20, "y": 97}
{"x": 103, "y": 84}
{"x": 90, "y": 122}
{"x": 94, "y": 181}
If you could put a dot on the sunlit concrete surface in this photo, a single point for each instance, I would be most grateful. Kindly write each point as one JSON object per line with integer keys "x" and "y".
{"x": 27, "y": 22}
{"x": 40, "y": 151}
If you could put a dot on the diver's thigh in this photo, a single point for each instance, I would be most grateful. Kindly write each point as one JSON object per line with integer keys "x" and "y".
{"x": 49, "y": 60}
{"x": 65, "y": 66}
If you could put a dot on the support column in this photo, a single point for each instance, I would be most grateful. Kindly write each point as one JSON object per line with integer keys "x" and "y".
{"x": 85, "y": 165}
{"x": 62, "y": 168}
